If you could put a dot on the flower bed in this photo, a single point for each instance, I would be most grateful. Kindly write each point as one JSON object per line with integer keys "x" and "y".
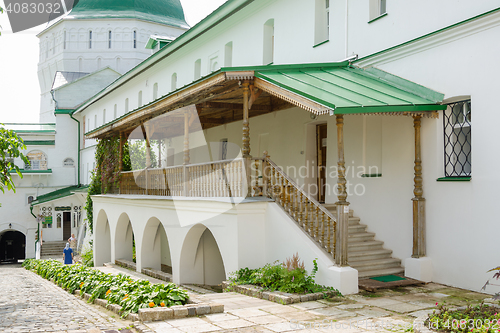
{"x": 284, "y": 283}
{"x": 120, "y": 293}
{"x": 480, "y": 318}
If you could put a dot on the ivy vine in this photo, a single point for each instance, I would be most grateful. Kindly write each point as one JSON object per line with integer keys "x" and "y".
{"x": 106, "y": 174}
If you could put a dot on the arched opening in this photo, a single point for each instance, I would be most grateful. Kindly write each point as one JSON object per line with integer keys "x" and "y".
{"x": 268, "y": 47}
{"x": 102, "y": 240}
{"x": 12, "y": 246}
{"x": 124, "y": 238}
{"x": 155, "y": 251}
{"x": 201, "y": 261}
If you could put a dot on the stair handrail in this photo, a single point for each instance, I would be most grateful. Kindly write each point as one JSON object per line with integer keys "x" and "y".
{"x": 294, "y": 184}
{"x": 330, "y": 245}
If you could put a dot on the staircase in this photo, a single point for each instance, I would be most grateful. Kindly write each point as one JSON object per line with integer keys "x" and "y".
{"x": 366, "y": 254}
{"x": 53, "y": 250}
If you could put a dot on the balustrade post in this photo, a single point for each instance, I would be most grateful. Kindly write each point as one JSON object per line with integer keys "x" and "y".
{"x": 247, "y": 158}
{"x": 148, "y": 145}
{"x": 120, "y": 160}
{"x": 342, "y": 230}
{"x": 418, "y": 200}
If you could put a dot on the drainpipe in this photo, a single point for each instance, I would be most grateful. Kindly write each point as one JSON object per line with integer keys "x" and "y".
{"x": 71, "y": 115}
{"x": 37, "y": 228}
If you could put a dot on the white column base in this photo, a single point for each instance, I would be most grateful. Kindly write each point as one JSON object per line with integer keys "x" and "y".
{"x": 345, "y": 279}
{"x": 419, "y": 269}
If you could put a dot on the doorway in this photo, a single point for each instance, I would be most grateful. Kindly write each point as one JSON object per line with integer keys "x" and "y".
{"x": 12, "y": 246}
{"x": 321, "y": 143}
{"x": 66, "y": 225}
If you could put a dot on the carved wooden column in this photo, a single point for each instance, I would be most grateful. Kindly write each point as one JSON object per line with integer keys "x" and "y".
{"x": 418, "y": 199}
{"x": 342, "y": 232}
{"x": 120, "y": 152}
{"x": 246, "y": 139}
{"x": 148, "y": 145}
{"x": 120, "y": 159}
{"x": 186, "y": 153}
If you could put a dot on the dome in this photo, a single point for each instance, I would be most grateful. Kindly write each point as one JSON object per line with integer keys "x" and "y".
{"x": 168, "y": 12}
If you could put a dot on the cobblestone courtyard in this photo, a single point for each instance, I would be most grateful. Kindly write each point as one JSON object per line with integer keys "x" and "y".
{"x": 29, "y": 303}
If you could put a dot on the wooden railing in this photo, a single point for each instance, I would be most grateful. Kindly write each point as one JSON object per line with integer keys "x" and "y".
{"x": 214, "y": 179}
{"x": 310, "y": 215}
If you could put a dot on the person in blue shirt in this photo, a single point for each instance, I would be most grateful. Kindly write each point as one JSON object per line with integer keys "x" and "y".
{"x": 68, "y": 255}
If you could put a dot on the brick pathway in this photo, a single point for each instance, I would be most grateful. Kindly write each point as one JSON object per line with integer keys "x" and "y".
{"x": 29, "y": 303}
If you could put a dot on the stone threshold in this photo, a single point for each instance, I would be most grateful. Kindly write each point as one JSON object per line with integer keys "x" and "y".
{"x": 274, "y": 296}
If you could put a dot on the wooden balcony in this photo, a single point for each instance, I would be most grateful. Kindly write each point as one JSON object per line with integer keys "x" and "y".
{"x": 214, "y": 179}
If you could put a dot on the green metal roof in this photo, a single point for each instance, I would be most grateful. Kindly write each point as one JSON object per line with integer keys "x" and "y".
{"x": 160, "y": 11}
{"x": 347, "y": 89}
{"x": 58, "y": 194}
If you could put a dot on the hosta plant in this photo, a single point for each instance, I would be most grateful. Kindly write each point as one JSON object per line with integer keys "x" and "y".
{"x": 116, "y": 289}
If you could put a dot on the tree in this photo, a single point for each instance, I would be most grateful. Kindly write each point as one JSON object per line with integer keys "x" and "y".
{"x": 10, "y": 148}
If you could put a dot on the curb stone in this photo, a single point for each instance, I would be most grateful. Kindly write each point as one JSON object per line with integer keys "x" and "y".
{"x": 277, "y": 297}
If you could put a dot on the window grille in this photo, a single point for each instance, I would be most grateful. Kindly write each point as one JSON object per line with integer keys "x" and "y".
{"x": 457, "y": 139}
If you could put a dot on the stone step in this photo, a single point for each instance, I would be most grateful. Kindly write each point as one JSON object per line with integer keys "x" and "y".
{"x": 357, "y": 228}
{"x": 361, "y": 236}
{"x": 365, "y": 246}
{"x": 355, "y": 256}
{"x": 368, "y": 265}
{"x": 381, "y": 272}
{"x": 333, "y": 209}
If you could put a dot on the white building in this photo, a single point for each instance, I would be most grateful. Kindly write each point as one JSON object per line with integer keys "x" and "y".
{"x": 80, "y": 54}
{"x": 397, "y": 111}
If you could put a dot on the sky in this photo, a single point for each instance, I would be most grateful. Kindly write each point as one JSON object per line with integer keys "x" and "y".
{"x": 19, "y": 90}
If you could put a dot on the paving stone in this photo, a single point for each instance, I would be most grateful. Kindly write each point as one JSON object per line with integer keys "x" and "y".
{"x": 309, "y": 305}
{"x": 247, "y": 313}
{"x": 238, "y": 323}
{"x": 268, "y": 319}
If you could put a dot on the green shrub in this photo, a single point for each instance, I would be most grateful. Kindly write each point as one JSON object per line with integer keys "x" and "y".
{"x": 88, "y": 255}
{"x": 477, "y": 319}
{"x": 291, "y": 278}
{"x": 116, "y": 289}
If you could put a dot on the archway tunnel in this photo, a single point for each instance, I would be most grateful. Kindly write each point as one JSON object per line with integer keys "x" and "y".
{"x": 12, "y": 246}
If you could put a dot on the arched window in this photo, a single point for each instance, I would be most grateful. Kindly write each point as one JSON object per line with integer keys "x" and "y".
{"x": 69, "y": 163}
{"x": 115, "y": 111}
{"x": 109, "y": 39}
{"x": 228, "y": 54}
{"x": 37, "y": 160}
{"x": 126, "y": 105}
{"x": 135, "y": 39}
{"x": 268, "y": 56}
{"x": 173, "y": 84}
{"x": 104, "y": 116}
{"x": 139, "y": 99}
{"x": 197, "y": 69}
{"x": 155, "y": 91}
{"x": 90, "y": 39}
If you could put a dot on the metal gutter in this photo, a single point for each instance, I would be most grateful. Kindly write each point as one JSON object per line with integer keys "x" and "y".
{"x": 71, "y": 116}
{"x": 228, "y": 9}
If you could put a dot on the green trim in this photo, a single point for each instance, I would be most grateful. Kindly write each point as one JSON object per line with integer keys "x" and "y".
{"x": 428, "y": 35}
{"x": 225, "y": 11}
{"x": 63, "y": 111}
{"x": 285, "y": 67}
{"x": 390, "y": 108}
{"x": 378, "y": 17}
{"x": 371, "y": 175}
{"x": 35, "y": 131}
{"x": 323, "y": 42}
{"x": 57, "y": 194}
{"x": 51, "y": 124}
{"x": 23, "y": 171}
{"x": 454, "y": 179}
{"x": 40, "y": 143}
{"x": 79, "y": 153}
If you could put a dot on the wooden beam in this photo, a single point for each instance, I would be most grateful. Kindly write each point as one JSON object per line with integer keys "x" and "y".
{"x": 254, "y": 94}
{"x": 233, "y": 106}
